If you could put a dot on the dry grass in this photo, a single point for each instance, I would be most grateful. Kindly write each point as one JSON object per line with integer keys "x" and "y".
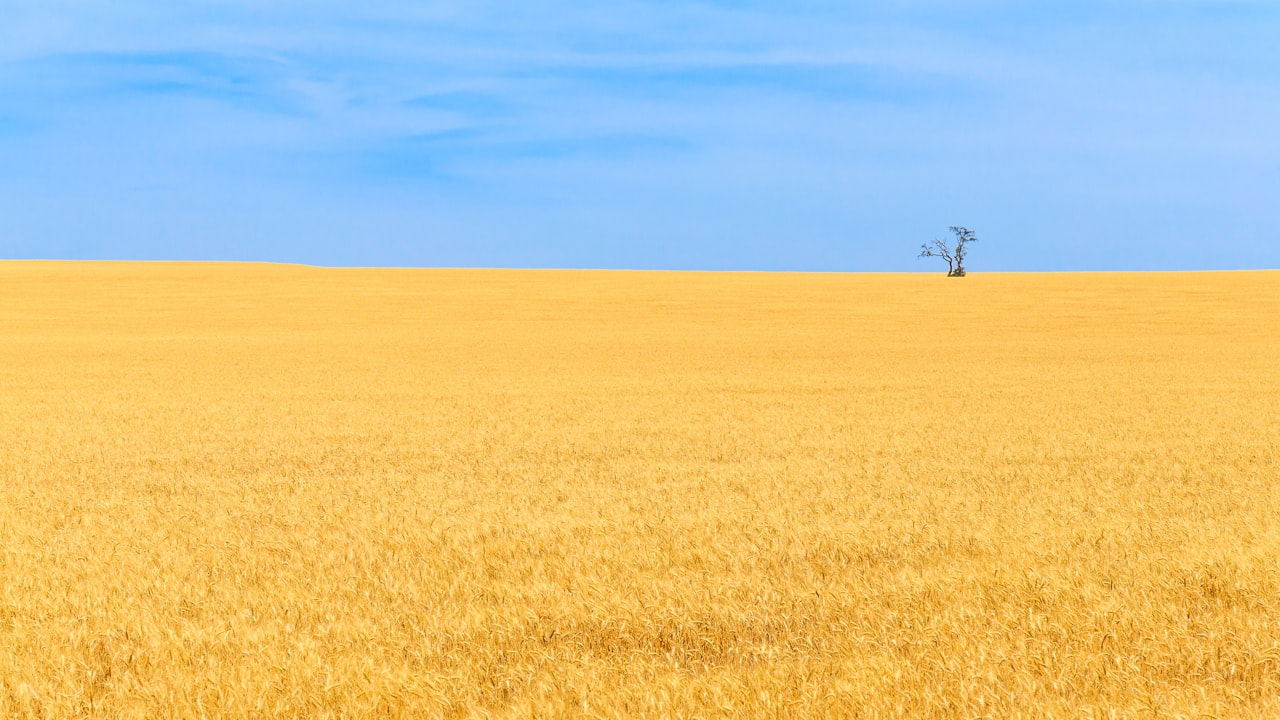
{"x": 234, "y": 491}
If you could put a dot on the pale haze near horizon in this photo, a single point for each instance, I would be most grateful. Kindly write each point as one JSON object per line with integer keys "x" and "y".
{"x": 677, "y": 135}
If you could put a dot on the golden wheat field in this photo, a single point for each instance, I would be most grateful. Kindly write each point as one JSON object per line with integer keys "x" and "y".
{"x": 254, "y": 491}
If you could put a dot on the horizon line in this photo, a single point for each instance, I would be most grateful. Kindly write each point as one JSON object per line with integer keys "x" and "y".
{"x": 492, "y": 268}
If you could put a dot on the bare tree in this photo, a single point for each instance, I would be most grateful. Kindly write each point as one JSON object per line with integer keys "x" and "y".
{"x": 953, "y": 255}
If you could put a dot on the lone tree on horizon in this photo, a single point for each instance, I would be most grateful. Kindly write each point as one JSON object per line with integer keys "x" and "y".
{"x": 953, "y": 256}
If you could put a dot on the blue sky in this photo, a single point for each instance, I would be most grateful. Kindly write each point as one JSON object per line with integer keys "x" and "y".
{"x": 826, "y": 136}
